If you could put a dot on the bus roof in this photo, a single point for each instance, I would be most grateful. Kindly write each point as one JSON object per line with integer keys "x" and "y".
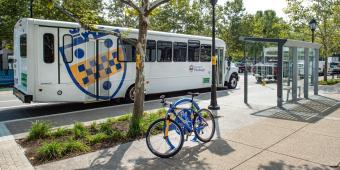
{"x": 65, "y": 24}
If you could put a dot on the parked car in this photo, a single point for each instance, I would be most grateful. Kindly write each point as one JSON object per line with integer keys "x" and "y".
{"x": 240, "y": 66}
{"x": 334, "y": 68}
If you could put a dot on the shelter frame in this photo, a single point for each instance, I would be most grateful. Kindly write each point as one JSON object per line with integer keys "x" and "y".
{"x": 292, "y": 44}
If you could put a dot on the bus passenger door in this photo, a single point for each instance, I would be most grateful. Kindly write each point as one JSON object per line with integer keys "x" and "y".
{"x": 47, "y": 68}
{"x": 98, "y": 76}
{"x": 102, "y": 63}
{"x": 90, "y": 69}
{"x": 220, "y": 67}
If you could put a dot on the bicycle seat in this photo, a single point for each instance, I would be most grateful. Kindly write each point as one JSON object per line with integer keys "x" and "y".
{"x": 193, "y": 94}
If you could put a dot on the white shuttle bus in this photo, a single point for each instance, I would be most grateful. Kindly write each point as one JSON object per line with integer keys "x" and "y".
{"x": 58, "y": 61}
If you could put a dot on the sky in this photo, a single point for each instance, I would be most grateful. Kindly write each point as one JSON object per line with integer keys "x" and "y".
{"x": 255, "y": 5}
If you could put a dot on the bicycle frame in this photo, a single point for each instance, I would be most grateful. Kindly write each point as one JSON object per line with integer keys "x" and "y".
{"x": 172, "y": 110}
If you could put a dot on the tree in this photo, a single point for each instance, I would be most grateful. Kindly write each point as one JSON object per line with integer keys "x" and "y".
{"x": 10, "y": 12}
{"x": 143, "y": 8}
{"x": 326, "y": 12}
{"x": 120, "y": 15}
{"x": 13, "y": 10}
{"x": 231, "y": 28}
{"x": 266, "y": 24}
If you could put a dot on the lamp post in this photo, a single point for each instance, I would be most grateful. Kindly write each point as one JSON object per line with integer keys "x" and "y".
{"x": 213, "y": 102}
{"x": 312, "y": 26}
{"x": 31, "y": 8}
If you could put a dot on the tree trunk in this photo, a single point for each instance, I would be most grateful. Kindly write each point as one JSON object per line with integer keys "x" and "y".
{"x": 139, "y": 82}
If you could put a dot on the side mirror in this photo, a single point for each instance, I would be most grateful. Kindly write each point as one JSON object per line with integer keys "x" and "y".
{"x": 229, "y": 61}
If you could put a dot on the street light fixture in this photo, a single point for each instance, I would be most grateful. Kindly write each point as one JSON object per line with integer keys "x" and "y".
{"x": 312, "y": 26}
{"x": 213, "y": 102}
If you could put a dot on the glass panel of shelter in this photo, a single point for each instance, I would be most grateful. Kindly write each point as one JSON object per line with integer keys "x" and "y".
{"x": 261, "y": 65}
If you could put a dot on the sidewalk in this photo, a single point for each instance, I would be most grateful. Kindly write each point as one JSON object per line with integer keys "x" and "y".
{"x": 304, "y": 135}
{"x": 11, "y": 155}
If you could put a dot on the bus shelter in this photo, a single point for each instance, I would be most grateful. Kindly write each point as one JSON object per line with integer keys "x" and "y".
{"x": 293, "y": 65}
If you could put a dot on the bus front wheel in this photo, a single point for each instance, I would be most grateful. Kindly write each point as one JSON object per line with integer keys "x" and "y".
{"x": 232, "y": 84}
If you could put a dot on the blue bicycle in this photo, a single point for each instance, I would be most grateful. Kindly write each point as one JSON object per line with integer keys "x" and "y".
{"x": 165, "y": 137}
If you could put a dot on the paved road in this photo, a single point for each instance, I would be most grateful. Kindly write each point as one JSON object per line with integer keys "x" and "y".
{"x": 18, "y": 116}
{"x": 12, "y": 108}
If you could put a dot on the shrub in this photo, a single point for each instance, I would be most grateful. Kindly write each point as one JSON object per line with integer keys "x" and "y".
{"x": 111, "y": 120}
{"x": 161, "y": 112}
{"x": 106, "y": 128}
{"x": 60, "y": 132}
{"x": 94, "y": 127}
{"x": 150, "y": 118}
{"x": 99, "y": 137}
{"x": 72, "y": 146}
{"x": 79, "y": 130}
{"x": 117, "y": 135}
{"x": 39, "y": 130}
{"x": 49, "y": 151}
{"x": 135, "y": 128}
{"x": 124, "y": 117}
{"x": 329, "y": 82}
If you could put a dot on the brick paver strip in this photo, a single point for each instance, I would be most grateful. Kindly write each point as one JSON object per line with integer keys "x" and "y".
{"x": 11, "y": 154}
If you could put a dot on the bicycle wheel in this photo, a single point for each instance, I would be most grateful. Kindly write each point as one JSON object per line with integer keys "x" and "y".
{"x": 204, "y": 125}
{"x": 160, "y": 145}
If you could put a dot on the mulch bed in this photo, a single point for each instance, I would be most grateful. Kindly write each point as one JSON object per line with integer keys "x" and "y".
{"x": 32, "y": 146}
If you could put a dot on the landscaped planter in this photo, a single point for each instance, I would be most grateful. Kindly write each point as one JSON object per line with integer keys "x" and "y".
{"x": 44, "y": 145}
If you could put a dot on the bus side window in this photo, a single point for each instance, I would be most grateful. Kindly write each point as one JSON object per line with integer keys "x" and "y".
{"x": 129, "y": 49}
{"x": 68, "y": 47}
{"x": 221, "y": 53}
{"x": 205, "y": 53}
{"x": 23, "y": 46}
{"x": 180, "y": 51}
{"x": 150, "y": 51}
{"x": 193, "y": 50}
{"x": 48, "y": 41}
{"x": 164, "y": 51}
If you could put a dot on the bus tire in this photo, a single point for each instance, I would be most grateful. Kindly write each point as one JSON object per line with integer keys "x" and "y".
{"x": 232, "y": 84}
{"x": 130, "y": 94}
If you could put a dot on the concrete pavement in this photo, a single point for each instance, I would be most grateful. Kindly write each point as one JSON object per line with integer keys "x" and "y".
{"x": 303, "y": 135}
{"x": 11, "y": 154}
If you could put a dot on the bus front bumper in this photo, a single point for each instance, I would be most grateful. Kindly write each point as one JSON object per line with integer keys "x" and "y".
{"x": 22, "y": 96}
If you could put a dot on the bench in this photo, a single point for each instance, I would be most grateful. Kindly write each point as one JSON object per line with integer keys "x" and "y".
{"x": 289, "y": 88}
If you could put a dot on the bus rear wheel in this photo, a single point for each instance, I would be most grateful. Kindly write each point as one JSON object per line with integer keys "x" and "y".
{"x": 130, "y": 94}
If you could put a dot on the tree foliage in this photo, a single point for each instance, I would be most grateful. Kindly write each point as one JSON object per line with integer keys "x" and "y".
{"x": 326, "y": 13}
{"x": 13, "y": 10}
